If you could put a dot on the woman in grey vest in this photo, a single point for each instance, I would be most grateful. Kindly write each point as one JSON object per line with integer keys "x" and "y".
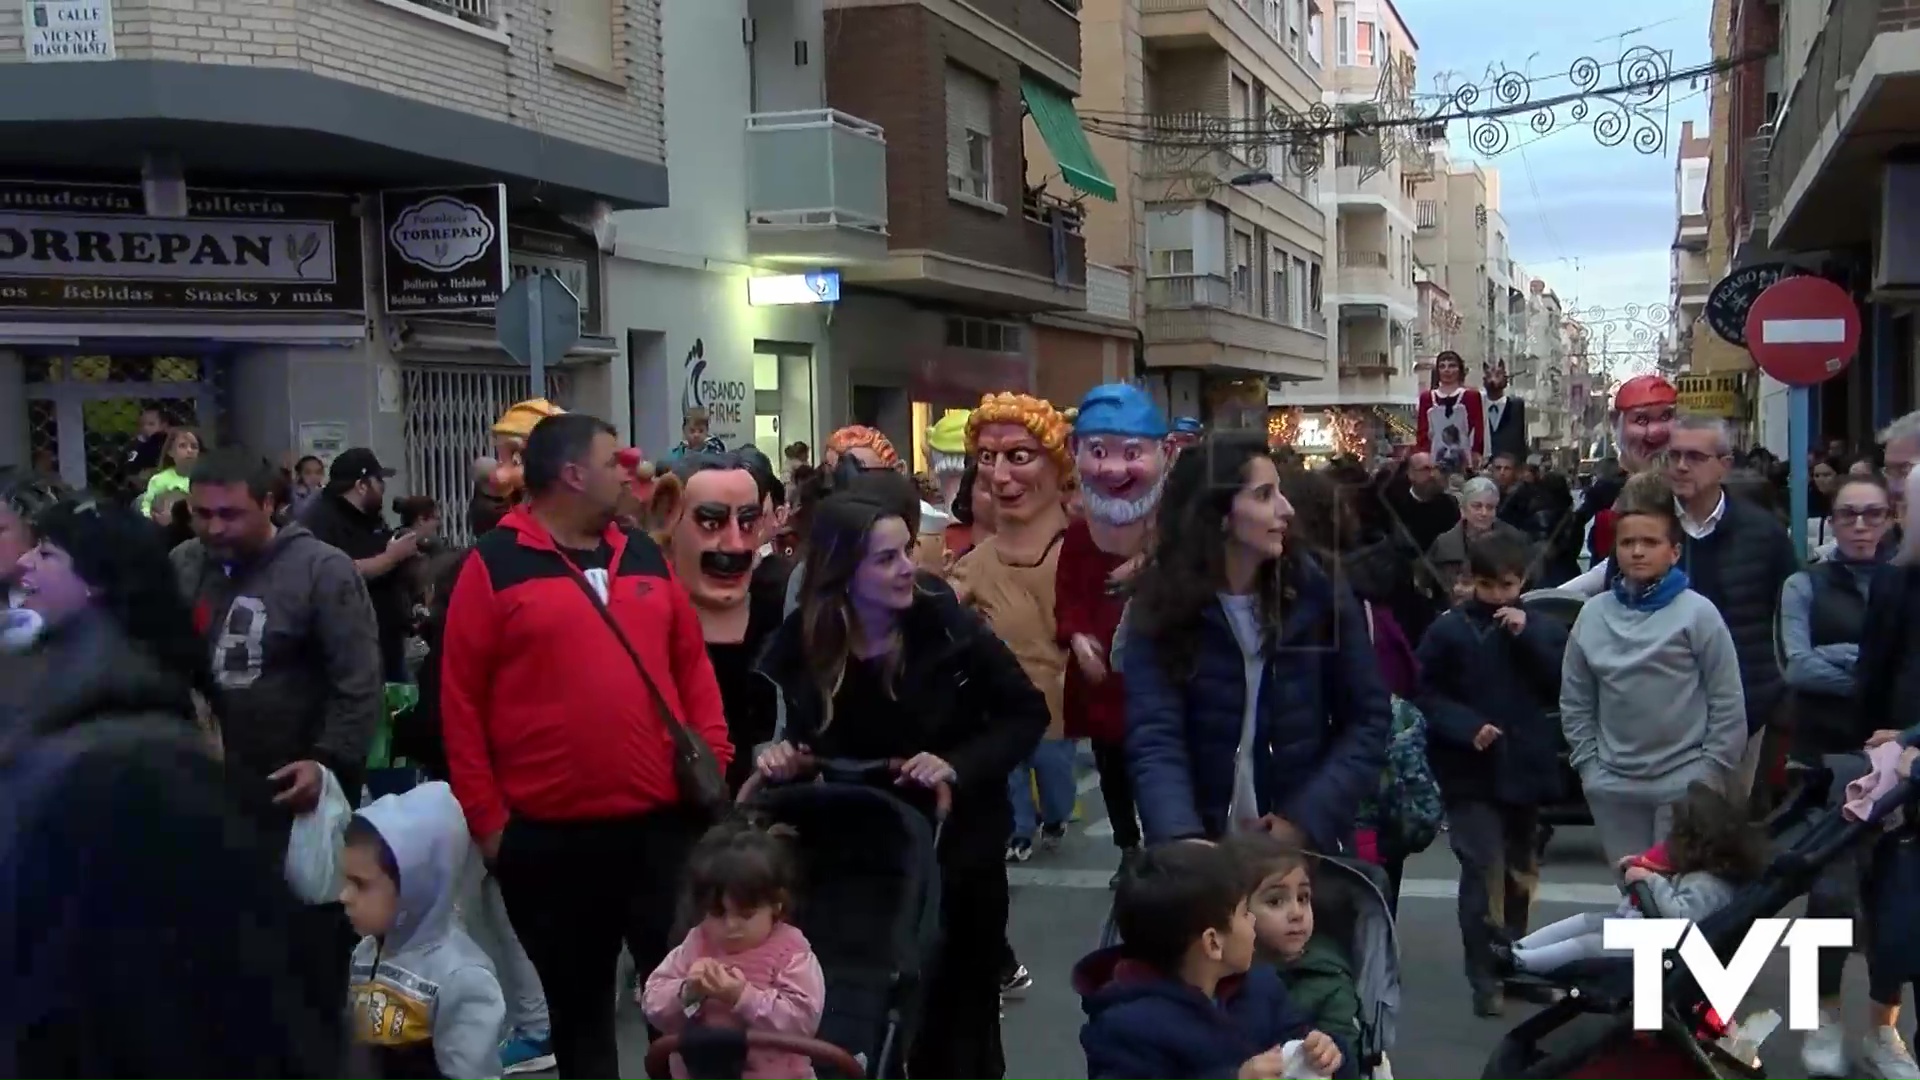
{"x": 1823, "y": 617}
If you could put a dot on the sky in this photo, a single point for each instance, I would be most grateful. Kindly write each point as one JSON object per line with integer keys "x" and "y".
{"x": 1595, "y": 222}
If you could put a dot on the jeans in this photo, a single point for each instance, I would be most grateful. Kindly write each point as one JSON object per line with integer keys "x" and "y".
{"x": 575, "y": 891}
{"x": 1116, "y": 790}
{"x": 1499, "y": 871}
{"x": 484, "y": 914}
{"x": 1051, "y": 770}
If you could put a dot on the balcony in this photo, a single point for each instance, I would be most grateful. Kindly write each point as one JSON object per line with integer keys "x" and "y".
{"x": 1368, "y": 188}
{"x": 1366, "y": 362}
{"x": 1198, "y": 320}
{"x": 1427, "y": 215}
{"x": 1239, "y": 29}
{"x": 1848, "y": 110}
{"x": 1368, "y": 279}
{"x": 475, "y": 12}
{"x": 816, "y": 188}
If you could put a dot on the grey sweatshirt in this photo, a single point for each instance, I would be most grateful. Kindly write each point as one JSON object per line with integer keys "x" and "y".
{"x": 1651, "y": 700}
{"x": 1688, "y": 896}
{"x": 296, "y": 654}
{"x": 426, "y": 986}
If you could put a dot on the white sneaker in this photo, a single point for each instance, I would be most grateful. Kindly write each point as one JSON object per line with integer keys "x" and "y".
{"x": 1886, "y": 1055}
{"x": 1824, "y": 1051}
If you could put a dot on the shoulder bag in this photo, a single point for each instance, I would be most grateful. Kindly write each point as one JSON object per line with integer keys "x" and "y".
{"x": 696, "y": 772}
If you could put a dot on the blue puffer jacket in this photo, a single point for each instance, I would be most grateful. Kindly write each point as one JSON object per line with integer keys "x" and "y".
{"x": 1324, "y": 718}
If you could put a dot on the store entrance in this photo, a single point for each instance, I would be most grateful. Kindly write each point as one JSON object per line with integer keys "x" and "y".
{"x": 83, "y": 410}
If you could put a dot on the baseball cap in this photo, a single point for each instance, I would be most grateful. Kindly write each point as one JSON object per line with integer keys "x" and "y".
{"x": 353, "y": 466}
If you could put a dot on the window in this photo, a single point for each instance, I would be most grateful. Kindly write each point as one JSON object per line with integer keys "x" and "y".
{"x": 1240, "y": 106}
{"x": 1343, "y": 37}
{"x": 1242, "y": 271}
{"x": 985, "y": 335}
{"x": 1297, "y": 301}
{"x": 1172, "y": 263}
{"x": 969, "y": 134}
{"x": 1276, "y": 19}
{"x": 582, "y": 33}
{"x": 1314, "y": 43}
{"x": 1277, "y": 288}
{"x": 1313, "y": 288}
{"x": 1365, "y": 47}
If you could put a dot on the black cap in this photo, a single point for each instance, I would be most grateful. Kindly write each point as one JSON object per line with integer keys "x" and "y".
{"x": 353, "y": 466}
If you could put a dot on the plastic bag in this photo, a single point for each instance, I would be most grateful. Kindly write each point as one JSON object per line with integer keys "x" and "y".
{"x": 313, "y": 848}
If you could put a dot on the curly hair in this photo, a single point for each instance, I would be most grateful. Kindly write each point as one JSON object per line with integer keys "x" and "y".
{"x": 1711, "y": 834}
{"x": 1188, "y": 563}
{"x": 857, "y": 435}
{"x": 1051, "y": 427}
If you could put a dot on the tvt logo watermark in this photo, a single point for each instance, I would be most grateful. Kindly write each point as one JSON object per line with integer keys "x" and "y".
{"x": 1726, "y": 985}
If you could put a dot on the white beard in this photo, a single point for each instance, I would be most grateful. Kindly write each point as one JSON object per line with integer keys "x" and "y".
{"x": 946, "y": 466}
{"x": 1108, "y": 510}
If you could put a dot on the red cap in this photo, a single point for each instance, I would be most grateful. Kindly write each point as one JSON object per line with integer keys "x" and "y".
{"x": 1644, "y": 390}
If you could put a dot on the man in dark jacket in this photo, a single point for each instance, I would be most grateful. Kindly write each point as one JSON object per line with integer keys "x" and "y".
{"x": 1486, "y": 674}
{"x": 296, "y": 659}
{"x": 347, "y": 514}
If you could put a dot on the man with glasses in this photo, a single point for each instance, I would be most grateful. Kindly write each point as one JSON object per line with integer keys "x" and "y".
{"x": 1738, "y": 556}
{"x": 1899, "y": 449}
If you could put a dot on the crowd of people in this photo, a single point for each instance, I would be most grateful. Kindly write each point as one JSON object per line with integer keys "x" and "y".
{"x": 1273, "y": 664}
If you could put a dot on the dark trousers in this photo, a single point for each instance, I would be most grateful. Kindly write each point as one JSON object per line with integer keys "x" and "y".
{"x": 1116, "y": 790}
{"x": 575, "y": 891}
{"x": 959, "y": 1036}
{"x": 1499, "y": 870}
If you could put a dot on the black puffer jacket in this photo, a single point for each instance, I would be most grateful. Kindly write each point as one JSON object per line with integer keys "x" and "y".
{"x": 84, "y": 671}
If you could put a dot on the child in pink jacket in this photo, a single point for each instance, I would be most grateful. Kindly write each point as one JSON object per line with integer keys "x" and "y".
{"x": 743, "y": 965}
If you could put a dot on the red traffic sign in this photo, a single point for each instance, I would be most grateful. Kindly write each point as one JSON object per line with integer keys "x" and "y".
{"x": 1803, "y": 330}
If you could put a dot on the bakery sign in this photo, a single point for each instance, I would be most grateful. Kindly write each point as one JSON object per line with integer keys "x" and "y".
{"x": 92, "y": 247}
{"x": 444, "y": 250}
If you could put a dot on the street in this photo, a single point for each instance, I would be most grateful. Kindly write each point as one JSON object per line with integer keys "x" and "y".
{"x": 1060, "y": 900}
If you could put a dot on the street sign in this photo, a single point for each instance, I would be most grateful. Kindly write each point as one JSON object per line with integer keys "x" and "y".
{"x": 536, "y": 322}
{"x": 1733, "y": 297}
{"x": 1803, "y": 330}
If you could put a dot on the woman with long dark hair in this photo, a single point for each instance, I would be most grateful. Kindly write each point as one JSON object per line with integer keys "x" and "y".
{"x": 872, "y": 665}
{"x": 1253, "y": 697}
{"x": 116, "y": 635}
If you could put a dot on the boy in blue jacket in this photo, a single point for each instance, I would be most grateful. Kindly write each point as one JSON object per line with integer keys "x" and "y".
{"x": 1180, "y": 997}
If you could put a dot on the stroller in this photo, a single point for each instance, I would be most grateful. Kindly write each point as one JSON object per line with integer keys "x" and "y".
{"x": 1599, "y": 992}
{"x": 1350, "y": 905}
{"x": 870, "y": 908}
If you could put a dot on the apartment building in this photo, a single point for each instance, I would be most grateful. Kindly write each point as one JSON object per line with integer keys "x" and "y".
{"x": 1234, "y": 232}
{"x": 1542, "y": 378}
{"x": 1818, "y": 137}
{"x": 1453, "y": 212}
{"x": 1690, "y": 278}
{"x": 288, "y": 221}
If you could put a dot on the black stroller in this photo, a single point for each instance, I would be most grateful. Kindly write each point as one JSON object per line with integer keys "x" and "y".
{"x": 870, "y": 907}
{"x": 1589, "y": 1032}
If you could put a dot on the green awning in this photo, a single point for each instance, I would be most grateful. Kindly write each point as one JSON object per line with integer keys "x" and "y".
{"x": 1059, "y": 125}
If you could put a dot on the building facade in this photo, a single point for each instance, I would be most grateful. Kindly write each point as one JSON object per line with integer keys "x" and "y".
{"x": 1689, "y": 275}
{"x": 303, "y": 248}
{"x": 1453, "y": 214}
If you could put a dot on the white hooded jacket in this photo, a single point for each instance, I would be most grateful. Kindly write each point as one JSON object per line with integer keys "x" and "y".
{"x": 427, "y": 987}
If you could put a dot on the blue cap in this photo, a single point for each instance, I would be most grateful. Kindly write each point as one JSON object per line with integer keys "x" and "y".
{"x": 1187, "y": 425}
{"x": 1119, "y": 409}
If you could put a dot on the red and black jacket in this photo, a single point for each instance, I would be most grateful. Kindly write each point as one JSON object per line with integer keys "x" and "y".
{"x": 543, "y": 713}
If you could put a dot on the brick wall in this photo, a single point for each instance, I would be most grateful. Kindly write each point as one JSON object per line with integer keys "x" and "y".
{"x": 888, "y": 65}
{"x": 387, "y": 46}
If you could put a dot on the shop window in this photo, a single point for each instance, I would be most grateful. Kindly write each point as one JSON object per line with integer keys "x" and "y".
{"x": 581, "y": 32}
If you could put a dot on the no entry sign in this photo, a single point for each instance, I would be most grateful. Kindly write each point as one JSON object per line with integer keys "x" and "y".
{"x": 1803, "y": 330}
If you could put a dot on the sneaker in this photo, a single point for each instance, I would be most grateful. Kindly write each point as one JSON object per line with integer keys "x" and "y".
{"x": 1886, "y": 1055}
{"x": 1128, "y": 857}
{"x": 1016, "y": 982}
{"x": 1824, "y": 1051}
{"x": 1019, "y": 850}
{"x": 523, "y": 1053}
{"x": 1051, "y": 837}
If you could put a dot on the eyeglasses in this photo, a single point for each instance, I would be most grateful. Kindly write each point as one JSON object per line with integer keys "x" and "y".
{"x": 1693, "y": 457}
{"x": 1851, "y": 515}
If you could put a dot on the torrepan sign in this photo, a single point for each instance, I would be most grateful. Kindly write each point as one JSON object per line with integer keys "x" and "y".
{"x": 235, "y": 251}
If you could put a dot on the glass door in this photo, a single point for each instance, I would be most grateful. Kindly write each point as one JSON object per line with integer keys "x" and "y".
{"x": 782, "y": 397}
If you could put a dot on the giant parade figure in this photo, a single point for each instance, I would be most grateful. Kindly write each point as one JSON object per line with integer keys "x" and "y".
{"x": 1452, "y": 423}
{"x": 947, "y": 453}
{"x": 1643, "y": 411}
{"x": 1506, "y": 415}
{"x": 1120, "y": 448}
{"x": 1019, "y": 445}
{"x": 713, "y": 522}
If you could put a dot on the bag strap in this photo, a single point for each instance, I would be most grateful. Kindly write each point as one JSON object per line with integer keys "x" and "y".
{"x": 633, "y": 654}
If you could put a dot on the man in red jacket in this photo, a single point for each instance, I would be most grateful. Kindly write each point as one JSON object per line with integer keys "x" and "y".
{"x": 556, "y": 739}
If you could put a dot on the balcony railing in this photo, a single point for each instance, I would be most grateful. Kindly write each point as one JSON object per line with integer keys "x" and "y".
{"x": 1363, "y": 260}
{"x": 1043, "y": 206}
{"x": 816, "y": 167}
{"x": 1837, "y": 51}
{"x": 477, "y": 12}
{"x": 1427, "y": 214}
{"x": 1366, "y": 361}
{"x": 1757, "y": 178}
{"x": 1215, "y": 291}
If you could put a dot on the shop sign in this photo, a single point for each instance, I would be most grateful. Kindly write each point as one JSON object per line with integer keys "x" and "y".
{"x": 573, "y": 260}
{"x": 91, "y": 247}
{"x": 444, "y": 250}
{"x": 1314, "y": 436}
{"x": 1710, "y": 395}
{"x": 60, "y": 31}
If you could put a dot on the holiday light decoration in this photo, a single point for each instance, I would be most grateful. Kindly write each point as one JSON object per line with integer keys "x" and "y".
{"x": 1331, "y": 432}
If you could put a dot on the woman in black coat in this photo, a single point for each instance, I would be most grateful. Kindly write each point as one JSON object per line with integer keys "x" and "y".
{"x": 873, "y": 665}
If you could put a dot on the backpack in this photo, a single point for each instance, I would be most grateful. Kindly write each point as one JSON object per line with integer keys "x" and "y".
{"x": 1405, "y": 812}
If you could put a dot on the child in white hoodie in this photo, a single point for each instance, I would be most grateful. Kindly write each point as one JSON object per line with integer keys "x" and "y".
{"x": 423, "y": 996}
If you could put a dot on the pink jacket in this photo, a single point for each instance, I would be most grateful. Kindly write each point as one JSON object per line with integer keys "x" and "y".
{"x": 786, "y": 992}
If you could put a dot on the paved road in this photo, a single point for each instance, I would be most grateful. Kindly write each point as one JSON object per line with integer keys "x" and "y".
{"x": 1060, "y": 900}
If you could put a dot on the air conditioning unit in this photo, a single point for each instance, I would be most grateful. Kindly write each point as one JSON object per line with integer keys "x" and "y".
{"x": 1896, "y": 268}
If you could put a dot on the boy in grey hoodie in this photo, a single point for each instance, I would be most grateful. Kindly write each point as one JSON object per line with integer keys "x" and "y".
{"x": 1650, "y": 694}
{"x": 424, "y": 998}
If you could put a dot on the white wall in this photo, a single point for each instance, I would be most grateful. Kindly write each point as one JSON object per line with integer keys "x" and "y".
{"x": 1198, "y": 228}
{"x": 1774, "y": 415}
{"x": 781, "y": 81}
